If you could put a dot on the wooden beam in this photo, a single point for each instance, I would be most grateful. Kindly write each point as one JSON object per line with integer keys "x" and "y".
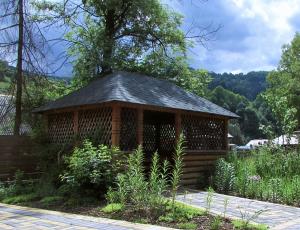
{"x": 177, "y": 125}
{"x": 140, "y": 126}
{"x": 116, "y": 125}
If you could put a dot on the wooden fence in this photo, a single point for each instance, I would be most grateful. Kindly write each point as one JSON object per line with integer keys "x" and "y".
{"x": 15, "y": 153}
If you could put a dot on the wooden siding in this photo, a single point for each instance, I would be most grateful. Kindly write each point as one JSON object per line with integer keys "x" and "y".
{"x": 198, "y": 165}
{"x": 15, "y": 153}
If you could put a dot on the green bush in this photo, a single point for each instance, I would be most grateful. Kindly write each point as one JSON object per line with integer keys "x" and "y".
{"x": 147, "y": 194}
{"x": 187, "y": 225}
{"x": 20, "y": 198}
{"x": 269, "y": 173}
{"x": 114, "y": 207}
{"x": 91, "y": 169}
{"x": 51, "y": 200}
{"x": 224, "y": 176}
{"x": 18, "y": 186}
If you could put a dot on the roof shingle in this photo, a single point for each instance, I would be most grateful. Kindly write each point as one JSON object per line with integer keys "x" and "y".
{"x": 136, "y": 88}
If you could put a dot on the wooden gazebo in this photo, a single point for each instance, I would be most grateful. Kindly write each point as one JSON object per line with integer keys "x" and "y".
{"x": 128, "y": 109}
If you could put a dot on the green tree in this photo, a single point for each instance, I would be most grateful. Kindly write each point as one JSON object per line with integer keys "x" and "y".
{"x": 133, "y": 35}
{"x": 283, "y": 93}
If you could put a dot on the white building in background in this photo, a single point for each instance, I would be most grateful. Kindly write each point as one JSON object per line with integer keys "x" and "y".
{"x": 256, "y": 143}
{"x": 284, "y": 140}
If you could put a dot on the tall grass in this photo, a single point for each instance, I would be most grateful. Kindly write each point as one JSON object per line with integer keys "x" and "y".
{"x": 270, "y": 173}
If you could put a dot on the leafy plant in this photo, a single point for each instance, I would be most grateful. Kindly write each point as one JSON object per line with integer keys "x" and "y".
{"x": 177, "y": 169}
{"x": 209, "y": 199}
{"x": 216, "y": 223}
{"x": 91, "y": 168}
{"x": 113, "y": 207}
{"x": 224, "y": 176}
{"x": 51, "y": 200}
{"x": 20, "y": 198}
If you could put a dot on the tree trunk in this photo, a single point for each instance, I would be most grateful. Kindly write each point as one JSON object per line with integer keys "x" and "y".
{"x": 108, "y": 42}
{"x": 19, "y": 74}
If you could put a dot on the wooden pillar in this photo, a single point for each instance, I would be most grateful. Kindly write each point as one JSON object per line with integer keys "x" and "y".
{"x": 177, "y": 125}
{"x": 157, "y": 136}
{"x": 116, "y": 125}
{"x": 140, "y": 126}
{"x": 226, "y": 121}
{"x": 46, "y": 122}
{"x": 75, "y": 122}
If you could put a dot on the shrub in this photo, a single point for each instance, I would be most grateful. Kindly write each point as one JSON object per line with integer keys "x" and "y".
{"x": 224, "y": 176}
{"x": 187, "y": 225}
{"x": 20, "y": 198}
{"x": 51, "y": 200}
{"x": 135, "y": 189}
{"x": 269, "y": 173}
{"x": 114, "y": 207}
{"x": 91, "y": 169}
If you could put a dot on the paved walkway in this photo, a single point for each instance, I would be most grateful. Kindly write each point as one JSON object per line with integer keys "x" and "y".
{"x": 16, "y": 217}
{"x": 276, "y": 216}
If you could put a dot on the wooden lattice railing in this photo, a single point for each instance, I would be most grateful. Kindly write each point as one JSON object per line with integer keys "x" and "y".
{"x": 128, "y": 131}
{"x": 95, "y": 124}
{"x": 204, "y": 133}
{"x": 61, "y": 127}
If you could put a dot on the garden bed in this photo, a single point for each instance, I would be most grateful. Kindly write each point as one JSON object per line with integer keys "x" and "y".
{"x": 199, "y": 219}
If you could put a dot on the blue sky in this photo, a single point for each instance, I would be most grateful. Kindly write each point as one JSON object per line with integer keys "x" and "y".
{"x": 250, "y": 38}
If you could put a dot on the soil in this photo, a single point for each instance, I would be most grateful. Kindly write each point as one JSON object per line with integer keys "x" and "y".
{"x": 203, "y": 222}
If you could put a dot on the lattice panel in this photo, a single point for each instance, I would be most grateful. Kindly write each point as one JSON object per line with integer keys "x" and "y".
{"x": 95, "y": 124}
{"x": 167, "y": 137}
{"x": 149, "y": 142}
{"x": 60, "y": 128}
{"x": 128, "y": 134}
{"x": 203, "y": 133}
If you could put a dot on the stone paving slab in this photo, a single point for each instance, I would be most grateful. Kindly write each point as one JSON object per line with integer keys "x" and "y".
{"x": 16, "y": 217}
{"x": 276, "y": 216}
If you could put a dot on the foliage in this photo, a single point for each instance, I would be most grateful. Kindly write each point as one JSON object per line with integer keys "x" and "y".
{"x": 113, "y": 207}
{"x": 284, "y": 88}
{"x": 91, "y": 168}
{"x": 147, "y": 195}
{"x": 133, "y": 188}
{"x": 269, "y": 173}
{"x": 209, "y": 199}
{"x": 177, "y": 169}
{"x": 253, "y": 114}
{"x": 224, "y": 177}
{"x": 20, "y": 198}
{"x": 216, "y": 223}
{"x": 51, "y": 200}
{"x": 187, "y": 225}
{"x": 240, "y": 224}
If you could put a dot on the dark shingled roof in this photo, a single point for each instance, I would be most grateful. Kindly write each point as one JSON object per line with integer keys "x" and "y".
{"x": 139, "y": 89}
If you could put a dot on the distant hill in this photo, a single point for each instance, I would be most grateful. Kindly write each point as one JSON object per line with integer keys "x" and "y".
{"x": 7, "y": 74}
{"x": 248, "y": 85}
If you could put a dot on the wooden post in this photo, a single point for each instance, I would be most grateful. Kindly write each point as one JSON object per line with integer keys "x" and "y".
{"x": 177, "y": 126}
{"x": 140, "y": 126}
{"x": 157, "y": 136}
{"x": 46, "y": 122}
{"x": 116, "y": 125}
{"x": 226, "y": 134}
{"x": 75, "y": 122}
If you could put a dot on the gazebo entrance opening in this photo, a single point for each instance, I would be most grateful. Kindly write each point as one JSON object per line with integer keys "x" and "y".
{"x": 159, "y": 133}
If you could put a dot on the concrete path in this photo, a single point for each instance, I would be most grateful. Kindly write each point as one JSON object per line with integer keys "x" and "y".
{"x": 16, "y": 217}
{"x": 276, "y": 216}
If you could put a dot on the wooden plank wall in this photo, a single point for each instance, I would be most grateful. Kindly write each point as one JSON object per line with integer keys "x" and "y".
{"x": 198, "y": 166}
{"x": 15, "y": 153}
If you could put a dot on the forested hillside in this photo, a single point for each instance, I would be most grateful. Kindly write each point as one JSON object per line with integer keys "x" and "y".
{"x": 248, "y": 85}
{"x": 240, "y": 93}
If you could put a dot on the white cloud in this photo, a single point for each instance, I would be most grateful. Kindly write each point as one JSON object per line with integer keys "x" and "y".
{"x": 252, "y": 35}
